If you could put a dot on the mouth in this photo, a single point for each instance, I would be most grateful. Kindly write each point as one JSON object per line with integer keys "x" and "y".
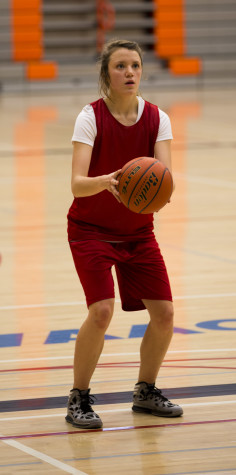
{"x": 129, "y": 82}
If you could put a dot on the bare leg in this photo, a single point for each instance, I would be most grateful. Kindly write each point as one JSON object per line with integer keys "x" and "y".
{"x": 90, "y": 341}
{"x": 156, "y": 339}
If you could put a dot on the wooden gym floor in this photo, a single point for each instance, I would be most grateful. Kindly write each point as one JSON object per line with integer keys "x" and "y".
{"x": 42, "y": 303}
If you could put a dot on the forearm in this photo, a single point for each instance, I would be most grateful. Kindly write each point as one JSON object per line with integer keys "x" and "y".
{"x": 88, "y": 186}
{"x": 81, "y": 184}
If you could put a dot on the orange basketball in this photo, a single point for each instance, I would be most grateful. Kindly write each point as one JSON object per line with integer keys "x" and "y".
{"x": 145, "y": 185}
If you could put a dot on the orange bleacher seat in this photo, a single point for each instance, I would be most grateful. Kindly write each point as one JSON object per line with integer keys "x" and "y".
{"x": 192, "y": 66}
{"x": 41, "y": 71}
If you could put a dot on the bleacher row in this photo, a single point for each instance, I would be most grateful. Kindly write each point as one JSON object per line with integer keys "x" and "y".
{"x": 44, "y": 43}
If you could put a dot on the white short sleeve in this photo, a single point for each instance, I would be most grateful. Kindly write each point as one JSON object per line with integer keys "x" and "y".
{"x": 165, "y": 131}
{"x": 85, "y": 129}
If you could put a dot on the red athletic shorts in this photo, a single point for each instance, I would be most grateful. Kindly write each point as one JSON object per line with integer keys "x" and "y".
{"x": 140, "y": 269}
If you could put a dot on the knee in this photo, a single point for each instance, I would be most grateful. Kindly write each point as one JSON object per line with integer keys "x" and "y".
{"x": 101, "y": 314}
{"x": 164, "y": 316}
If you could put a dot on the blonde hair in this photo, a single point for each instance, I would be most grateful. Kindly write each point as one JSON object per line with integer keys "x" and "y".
{"x": 109, "y": 48}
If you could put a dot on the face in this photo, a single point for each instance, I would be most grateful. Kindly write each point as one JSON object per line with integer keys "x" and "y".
{"x": 125, "y": 70}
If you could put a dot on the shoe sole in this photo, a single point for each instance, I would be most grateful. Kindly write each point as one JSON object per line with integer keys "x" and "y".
{"x": 154, "y": 413}
{"x": 95, "y": 425}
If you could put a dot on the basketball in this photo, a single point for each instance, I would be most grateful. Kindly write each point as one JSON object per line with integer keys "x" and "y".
{"x": 145, "y": 185}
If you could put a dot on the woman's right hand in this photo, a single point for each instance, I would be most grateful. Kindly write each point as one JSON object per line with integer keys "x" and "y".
{"x": 111, "y": 182}
{"x": 81, "y": 184}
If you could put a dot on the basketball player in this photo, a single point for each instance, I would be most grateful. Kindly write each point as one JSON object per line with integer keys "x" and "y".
{"x": 104, "y": 233}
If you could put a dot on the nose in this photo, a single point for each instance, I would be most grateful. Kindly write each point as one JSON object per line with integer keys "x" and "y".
{"x": 129, "y": 71}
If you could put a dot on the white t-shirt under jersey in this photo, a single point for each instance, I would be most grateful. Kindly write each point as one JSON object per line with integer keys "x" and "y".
{"x": 85, "y": 129}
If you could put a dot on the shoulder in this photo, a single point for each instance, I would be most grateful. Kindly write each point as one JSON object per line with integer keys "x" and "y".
{"x": 163, "y": 115}
{"x": 152, "y": 110}
{"x": 148, "y": 110}
{"x": 97, "y": 105}
{"x": 87, "y": 112}
{"x": 85, "y": 126}
{"x": 165, "y": 131}
{"x": 164, "y": 118}
{"x": 150, "y": 105}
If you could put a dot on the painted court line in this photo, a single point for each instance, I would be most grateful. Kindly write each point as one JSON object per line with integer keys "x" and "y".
{"x": 232, "y": 470}
{"x": 194, "y": 393}
{"x": 82, "y": 302}
{"x": 123, "y": 365}
{"x": 111, "y": 381}
{"x": 137, "y": 454}
{"x": 114, "y": 429}
{"x": 20, "y": 464}
{"x": 130, "y": 364}
{"x": 41, "y": 456}
{"x": 104, "y": 355}
{"x": 106, "y": 411}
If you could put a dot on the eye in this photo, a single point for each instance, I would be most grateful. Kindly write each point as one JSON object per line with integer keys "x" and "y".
{"x": 120, "y": 66}
{"x": 136, "y": 65}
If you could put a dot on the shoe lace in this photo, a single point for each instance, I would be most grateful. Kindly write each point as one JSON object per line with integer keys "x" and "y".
{"x": 86, "y": 402}
{"x": 156, "y": 394}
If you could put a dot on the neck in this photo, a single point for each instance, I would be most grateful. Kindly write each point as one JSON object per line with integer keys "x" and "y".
{"x": 122, "y": 105}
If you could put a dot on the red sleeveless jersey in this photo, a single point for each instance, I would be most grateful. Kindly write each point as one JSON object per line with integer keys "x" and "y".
{"x": 101, "y": 216}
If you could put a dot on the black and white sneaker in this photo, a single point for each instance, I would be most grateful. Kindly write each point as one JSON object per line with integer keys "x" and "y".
{"x": 79, "y": 411}
{"x": 149, "y": 399}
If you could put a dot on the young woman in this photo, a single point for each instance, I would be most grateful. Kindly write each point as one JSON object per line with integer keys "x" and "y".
{"x": 103, "y": 233}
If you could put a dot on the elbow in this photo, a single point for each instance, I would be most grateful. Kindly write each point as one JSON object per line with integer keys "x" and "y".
{"x": 75, "y": 188}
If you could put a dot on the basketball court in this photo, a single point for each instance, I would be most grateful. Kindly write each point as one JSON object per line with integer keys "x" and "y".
{"x": 43, "y": 306}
